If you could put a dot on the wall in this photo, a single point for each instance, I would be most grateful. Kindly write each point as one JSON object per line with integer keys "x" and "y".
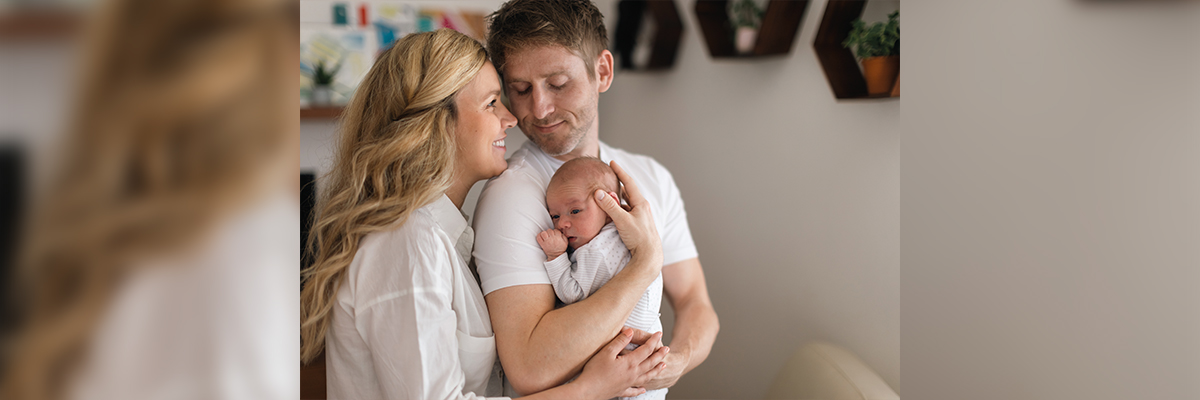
{"x": 1050, "y": 217}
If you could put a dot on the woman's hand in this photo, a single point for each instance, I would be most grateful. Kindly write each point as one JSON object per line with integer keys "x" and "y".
{"x": 636, "y": 226}
{"x": 609, "y": 374}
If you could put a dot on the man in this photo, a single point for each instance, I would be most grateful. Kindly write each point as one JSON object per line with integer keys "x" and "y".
{"x": 552, "y": 58}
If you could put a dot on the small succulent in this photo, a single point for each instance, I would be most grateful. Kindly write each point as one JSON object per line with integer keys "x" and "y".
{"x": 878, "y": 39}
{"x": 745, "y": 14}
{"x": 323, "y": 74}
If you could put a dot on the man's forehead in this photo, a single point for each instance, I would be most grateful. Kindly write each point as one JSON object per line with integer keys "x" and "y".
{"x": 540, "y": 61}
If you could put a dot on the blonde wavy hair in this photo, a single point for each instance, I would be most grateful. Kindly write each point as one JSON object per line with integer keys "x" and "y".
{"x": 180, "y": 113}
{"x": 396, "y": 155}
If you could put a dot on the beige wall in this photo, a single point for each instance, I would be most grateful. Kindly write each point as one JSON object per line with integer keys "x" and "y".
{"x": 1050, "y": 217}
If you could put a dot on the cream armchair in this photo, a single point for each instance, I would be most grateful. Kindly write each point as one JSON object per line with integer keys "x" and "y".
{"x": 824, "y": 371}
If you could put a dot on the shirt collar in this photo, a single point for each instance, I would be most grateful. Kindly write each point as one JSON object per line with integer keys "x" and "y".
{"x": 451, "y": 219}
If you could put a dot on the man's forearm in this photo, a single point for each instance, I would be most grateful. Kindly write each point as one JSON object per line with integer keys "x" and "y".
{"x": 696, "y": 328}
{"x": 696, "y": 322}
{"x": 541, "y": 347}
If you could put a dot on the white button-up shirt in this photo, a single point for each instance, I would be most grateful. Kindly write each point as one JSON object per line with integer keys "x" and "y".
{"x": 410, "y": 321}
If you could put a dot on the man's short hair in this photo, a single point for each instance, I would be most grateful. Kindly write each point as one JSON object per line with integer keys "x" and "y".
{"x": 574, "y": 24}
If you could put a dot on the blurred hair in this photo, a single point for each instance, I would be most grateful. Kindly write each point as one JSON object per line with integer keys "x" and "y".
{"x": 574, "y": 24}
{"x": 396, "y": 155}
{"x": 594, "y": 173}
{"x": 179, "y": 113}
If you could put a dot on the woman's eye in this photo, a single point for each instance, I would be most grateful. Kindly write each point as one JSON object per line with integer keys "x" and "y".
{"x": 492, "y": 104}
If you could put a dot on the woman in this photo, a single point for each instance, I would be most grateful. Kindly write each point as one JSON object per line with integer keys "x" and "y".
{"x": 389, "y": 296}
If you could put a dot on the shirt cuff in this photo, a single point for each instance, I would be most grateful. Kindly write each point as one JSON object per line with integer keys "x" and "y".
{"x": 558, "y": 266}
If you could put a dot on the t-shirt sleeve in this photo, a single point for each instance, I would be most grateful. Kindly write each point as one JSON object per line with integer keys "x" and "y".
{"x": 508, "y": 216}
{"x": 677, "y": 241}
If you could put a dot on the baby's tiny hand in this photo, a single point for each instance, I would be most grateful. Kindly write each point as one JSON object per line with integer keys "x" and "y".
{"x": 553, "y": 242}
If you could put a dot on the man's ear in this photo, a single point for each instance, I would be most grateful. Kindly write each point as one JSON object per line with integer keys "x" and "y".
{"x": 604, "y": 70}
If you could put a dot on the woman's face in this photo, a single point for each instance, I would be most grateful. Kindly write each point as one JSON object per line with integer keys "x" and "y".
{"x": 479, "y": 131}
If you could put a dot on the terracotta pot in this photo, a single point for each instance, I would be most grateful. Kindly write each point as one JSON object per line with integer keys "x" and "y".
{"x": 881, "y": 73}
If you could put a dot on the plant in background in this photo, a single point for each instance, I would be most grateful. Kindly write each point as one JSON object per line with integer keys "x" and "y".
{"x": 323, "y": 75}
{"x": 879, "y": 39}
{"x": 746, "y": 16}
{"x": 878, "y": 46}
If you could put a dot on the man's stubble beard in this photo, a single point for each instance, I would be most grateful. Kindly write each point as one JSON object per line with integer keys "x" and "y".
{"x": 568, "y": 144}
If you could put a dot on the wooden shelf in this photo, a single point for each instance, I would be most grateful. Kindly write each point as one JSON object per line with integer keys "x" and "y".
{"x": 668, "y": 32}
{"x": 39, "y": 24}
{"x": 331, "y": 112}
{"x": 780, "y": 23}
{"x": 841, "y": 68}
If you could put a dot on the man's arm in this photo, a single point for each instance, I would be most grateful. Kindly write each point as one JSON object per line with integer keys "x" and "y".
{"x": 696, "y": 322}
{"x": 541, "y": 347}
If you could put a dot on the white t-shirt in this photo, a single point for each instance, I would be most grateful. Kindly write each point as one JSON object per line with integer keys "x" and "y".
{"x": 410, "y": 321}
{"x": 512, "y": 210}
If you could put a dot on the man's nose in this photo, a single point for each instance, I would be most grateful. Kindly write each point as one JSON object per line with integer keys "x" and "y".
{"x": 543, "y": 103}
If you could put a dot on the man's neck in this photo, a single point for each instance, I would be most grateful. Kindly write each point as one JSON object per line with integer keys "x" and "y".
{"x": 588, "y": 148}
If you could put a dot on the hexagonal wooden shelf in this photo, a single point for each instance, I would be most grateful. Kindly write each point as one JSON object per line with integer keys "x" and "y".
{"x": 668, "y": 32}
{"x": 840, "y": 66}
{"x": 780, "y": 23}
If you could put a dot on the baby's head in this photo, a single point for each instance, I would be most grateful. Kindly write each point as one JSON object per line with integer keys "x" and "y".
{"x": 570, "y": 198}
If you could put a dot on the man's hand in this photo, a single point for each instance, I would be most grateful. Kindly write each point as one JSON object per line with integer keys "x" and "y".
{"x": 676, "y": 364}
{"x": 553, "y": 242}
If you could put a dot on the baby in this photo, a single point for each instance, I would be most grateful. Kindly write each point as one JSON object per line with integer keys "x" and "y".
{"x": 584, "y": 250}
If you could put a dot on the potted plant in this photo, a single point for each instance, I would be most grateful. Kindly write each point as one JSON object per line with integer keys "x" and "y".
{"x": 878, "y": 48}
{"x": 746, "y": 16}
{"x": 322, "y": 86}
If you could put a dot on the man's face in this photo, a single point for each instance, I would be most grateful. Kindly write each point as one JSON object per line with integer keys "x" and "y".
{"x": 554, "y": 98}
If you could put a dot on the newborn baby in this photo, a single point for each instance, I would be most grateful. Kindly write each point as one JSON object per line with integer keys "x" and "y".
{"x": 584, "y": 250}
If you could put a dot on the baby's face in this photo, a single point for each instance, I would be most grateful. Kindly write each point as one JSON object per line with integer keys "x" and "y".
{"x": 575, "y": 213}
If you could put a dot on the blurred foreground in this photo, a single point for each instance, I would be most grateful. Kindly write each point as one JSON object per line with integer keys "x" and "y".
{"x": 149, "y": 216}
